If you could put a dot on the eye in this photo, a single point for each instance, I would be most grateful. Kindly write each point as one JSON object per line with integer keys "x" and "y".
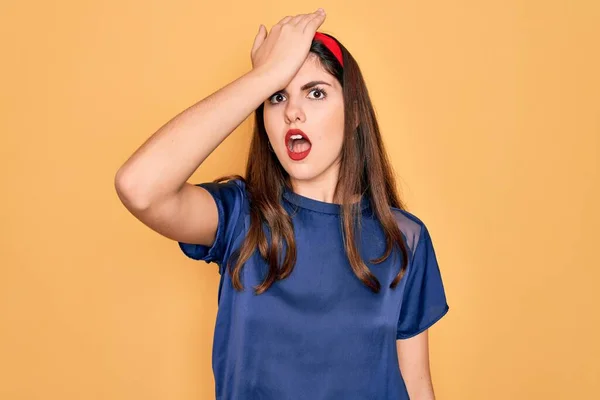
{"x": 320, "y": 94}
{"x": 274, "y": 96}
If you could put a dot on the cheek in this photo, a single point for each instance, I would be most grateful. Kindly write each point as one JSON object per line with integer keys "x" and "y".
{"x": 272, "y": 124}
{"x": 329, "y": 145}
{"x": 331, "y": 128}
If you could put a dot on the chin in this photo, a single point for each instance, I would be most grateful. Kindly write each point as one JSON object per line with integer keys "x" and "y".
{"x": 309, "y": 168}
{"x": 302, "y": 172}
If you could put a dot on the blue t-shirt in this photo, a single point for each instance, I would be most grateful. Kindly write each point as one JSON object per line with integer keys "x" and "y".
{"x": 319, "y": 334}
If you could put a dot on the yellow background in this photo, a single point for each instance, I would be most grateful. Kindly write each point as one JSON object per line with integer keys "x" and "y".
{"x": 490, "y": 111}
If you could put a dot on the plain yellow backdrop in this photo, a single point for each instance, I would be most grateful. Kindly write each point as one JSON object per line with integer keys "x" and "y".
{"x": 490, "y": 111}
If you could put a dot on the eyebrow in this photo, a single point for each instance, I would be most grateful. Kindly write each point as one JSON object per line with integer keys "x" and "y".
{"x": 306, "y": 86}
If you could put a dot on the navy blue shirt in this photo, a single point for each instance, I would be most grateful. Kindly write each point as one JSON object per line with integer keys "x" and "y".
{"x": 319, "y": 334}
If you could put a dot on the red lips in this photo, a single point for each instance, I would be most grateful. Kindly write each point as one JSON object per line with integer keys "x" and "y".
{"x": 292, "y": 132}
{"x": 301, "y": 155}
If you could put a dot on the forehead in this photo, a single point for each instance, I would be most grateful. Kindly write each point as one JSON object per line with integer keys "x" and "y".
{"x": 311, "y": 70}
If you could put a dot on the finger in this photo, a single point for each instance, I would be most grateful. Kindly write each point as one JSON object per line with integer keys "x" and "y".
{"x": 259, "y": 39}
{"x": 297, "y": 19}
{"x": 305, "y": 18}
{"x": 313, "y": 24}
{"x": 283, "y": 20}
{"x": 302, "y": 21}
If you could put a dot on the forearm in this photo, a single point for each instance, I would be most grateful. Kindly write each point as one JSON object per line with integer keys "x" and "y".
{"x": 413, "y": 359}
{"x": 420, "y": 390}
{"x": 166, "y": 160}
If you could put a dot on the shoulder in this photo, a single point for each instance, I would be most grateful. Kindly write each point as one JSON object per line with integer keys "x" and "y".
{"x": 234, "y": 186}
{"x": 232, "y": 191}
{"x": 411, "y": 226}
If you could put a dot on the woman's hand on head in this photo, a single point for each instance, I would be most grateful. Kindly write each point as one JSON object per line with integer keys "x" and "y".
{"x": 284, "y": 49}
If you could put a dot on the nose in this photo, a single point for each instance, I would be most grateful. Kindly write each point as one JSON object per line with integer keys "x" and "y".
{"x": 293, "y": 112}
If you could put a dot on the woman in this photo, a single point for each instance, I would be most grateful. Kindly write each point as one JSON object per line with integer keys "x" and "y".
{"x": 344, "y": 282}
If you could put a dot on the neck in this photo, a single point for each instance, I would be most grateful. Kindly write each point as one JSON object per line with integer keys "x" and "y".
{"x": 321, "y": 188}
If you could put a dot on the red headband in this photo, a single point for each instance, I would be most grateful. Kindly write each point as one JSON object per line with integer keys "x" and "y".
{"x": 331, "y": 44}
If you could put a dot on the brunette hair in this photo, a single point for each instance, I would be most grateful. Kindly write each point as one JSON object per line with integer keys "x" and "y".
{"x": 364, "y": 170}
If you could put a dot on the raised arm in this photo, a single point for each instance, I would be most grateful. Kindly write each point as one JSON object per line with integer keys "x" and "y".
{"x": 152, "y": 183}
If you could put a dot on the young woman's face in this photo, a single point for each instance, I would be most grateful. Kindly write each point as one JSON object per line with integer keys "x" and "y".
{"x": 317, "y": 109}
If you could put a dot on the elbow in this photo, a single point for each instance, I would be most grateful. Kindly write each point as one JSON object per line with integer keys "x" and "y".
{"x": 130, "y": 192}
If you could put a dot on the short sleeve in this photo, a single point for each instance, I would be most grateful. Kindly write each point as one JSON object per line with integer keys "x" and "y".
{"x": 424, "y": 299}
{"x": 229, "y": 198}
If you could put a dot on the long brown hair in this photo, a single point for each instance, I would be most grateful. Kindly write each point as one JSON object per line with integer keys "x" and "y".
{"x": 364, "y": 170}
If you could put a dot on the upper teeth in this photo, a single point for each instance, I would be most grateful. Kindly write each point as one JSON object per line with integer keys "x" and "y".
{"x": 296, "y": 137}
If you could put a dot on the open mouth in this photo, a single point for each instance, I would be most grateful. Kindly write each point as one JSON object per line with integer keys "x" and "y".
{"x": 298, "y": 144}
